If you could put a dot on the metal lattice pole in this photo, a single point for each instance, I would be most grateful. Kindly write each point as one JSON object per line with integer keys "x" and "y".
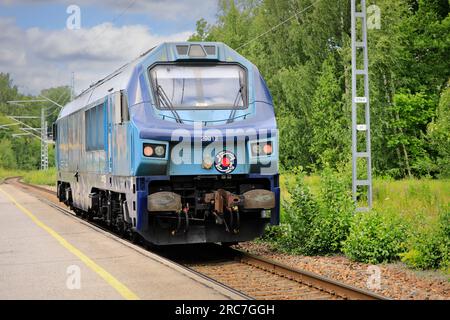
{"x": 39, "y": 133}
{"x": 359, "y": 42}
{"x": 44, "y": 141}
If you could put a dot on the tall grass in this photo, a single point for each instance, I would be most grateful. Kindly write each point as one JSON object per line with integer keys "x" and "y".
{"x": 7, "y": 173}
{"x": 40, "y": 177}
{"x": 412, "y": 197}
{"x": 406, "y": 197}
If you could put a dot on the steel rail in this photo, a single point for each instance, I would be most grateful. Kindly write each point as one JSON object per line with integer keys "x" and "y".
{"x": 306, "y": 277}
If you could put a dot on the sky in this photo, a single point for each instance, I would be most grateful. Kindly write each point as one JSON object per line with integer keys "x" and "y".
{"x": 42, "y": 41}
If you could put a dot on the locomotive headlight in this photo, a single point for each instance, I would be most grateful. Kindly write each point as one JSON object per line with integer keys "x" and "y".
{"x": 261, "y": 148}
{"x": 160, "y": 151}
{"x": 148, "y": 150}
{"x": 207, "y": 162}
{"x": 151, "y": 150}
{"x": 267, "y": 149}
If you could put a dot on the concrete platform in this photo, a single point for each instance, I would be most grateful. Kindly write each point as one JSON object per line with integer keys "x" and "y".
{"x": 45, "y": 254}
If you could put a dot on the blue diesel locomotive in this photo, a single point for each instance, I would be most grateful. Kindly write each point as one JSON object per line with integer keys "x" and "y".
{"x": 178, "y": 146}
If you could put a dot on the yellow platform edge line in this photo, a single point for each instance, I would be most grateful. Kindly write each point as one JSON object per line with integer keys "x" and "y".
{"x": 110, "y": 279}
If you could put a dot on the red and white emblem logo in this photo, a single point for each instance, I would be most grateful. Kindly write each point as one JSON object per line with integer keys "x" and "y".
{"x": 225, "y": 161}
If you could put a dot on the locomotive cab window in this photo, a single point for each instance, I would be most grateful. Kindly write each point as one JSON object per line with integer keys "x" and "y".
{"x": 201, "y": 87}
{"x": 94, "y": 119}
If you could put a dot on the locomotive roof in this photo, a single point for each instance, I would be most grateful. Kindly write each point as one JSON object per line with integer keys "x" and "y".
{"x": 118, "y": 80}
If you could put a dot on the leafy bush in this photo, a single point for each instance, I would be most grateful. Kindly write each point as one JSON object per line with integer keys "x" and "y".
{"x": 317, "y": 224}
{"x": 271, "y": 234}
{"x": 430, "y": 247}
{"x": 295, "y": 232}
{"x": 410, "y": 220}
{"x": 375, "y": 237}
{"x": 425, "y": 252}
{"x": 332, "y": 223}
{"x": 444, "y": 223}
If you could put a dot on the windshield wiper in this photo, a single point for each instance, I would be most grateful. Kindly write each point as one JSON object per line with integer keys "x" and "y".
{"x": 164, "y": 100}
{"x": 236, "y": 104}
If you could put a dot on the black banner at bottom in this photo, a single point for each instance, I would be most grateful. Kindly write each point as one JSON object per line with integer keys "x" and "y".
{"x": 222, "y": 309}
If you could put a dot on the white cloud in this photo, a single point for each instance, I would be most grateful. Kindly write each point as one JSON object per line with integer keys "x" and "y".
{"x": 157, "y": 9}
{"x": 39, "y": 59}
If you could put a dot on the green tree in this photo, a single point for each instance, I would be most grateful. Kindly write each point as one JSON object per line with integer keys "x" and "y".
{"x": 60, "y": 95}
{"x": 428, "y": 44}
{"x": 27, "y": 152}
{"x": 305, "y": 57}
{"x": 7, "y": 90}
{"x": 330, "y": 116}
{"x": 439, "y": 133}
{"x": 7, "y": 157}
{"x": 413, "y": 113}
{"x": 202, "y": 31}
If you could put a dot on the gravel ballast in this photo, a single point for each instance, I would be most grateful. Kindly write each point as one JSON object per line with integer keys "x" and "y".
{"x": 395, "y": 281}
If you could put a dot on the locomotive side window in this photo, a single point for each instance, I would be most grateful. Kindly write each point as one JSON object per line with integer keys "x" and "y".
{"x": 203, "y": 87}
{"x": 94, "y": 120}
{"x": 54, "y": 131}
{"x": 120, "y": 106}
{"x": 124, "y": 106}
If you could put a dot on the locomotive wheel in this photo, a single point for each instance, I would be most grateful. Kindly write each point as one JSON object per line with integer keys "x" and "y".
{"x": 135, "y": 237}
{"x": 121, "y": 230}
{"x": 228, "y": 244}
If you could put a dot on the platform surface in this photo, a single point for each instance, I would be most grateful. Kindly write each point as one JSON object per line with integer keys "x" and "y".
{"x": 45, "y": 254}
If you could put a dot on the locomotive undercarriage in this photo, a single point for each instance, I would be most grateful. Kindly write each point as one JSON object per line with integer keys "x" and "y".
{"x": 107, "y": 207}
{"x": 209, "y": 209}
{"x": 185, "y": 209}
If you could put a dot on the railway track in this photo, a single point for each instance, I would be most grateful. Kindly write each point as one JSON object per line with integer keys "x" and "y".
{"x": 252, "y": 276}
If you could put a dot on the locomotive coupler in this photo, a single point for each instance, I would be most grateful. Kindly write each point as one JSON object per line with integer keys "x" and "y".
{"x": 225, "y": 204}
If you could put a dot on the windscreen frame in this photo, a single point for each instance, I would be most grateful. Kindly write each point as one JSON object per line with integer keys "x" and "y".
{"x": 245, "y": 92}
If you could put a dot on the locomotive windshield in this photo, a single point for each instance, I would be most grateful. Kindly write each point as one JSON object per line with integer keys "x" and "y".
{"x": 199, "y": 87}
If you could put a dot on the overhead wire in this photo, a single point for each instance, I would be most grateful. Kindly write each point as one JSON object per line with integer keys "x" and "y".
{"x": 279, "y": 24}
